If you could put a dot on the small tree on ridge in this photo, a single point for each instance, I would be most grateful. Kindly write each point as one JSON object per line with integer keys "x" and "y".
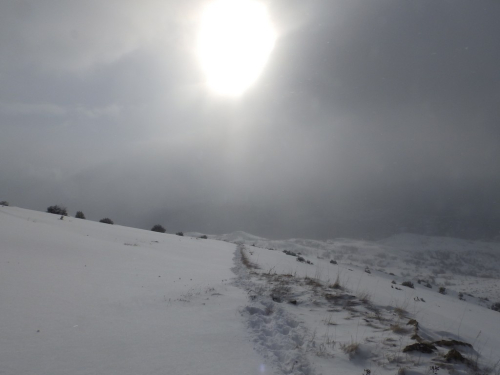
{"x": 57, "y": 210}
{"x": 158, "y": 228}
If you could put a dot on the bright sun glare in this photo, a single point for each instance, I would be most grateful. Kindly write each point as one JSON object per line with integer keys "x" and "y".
{"x": 234, "y": 43}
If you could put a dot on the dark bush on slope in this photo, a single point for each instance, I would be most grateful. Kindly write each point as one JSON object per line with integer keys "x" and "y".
{"x": 4, "y": 203}
{"x": 408, "y": 284}
{"x": 106, "y": 221}
{"x": 80, "y": 215}
{"x": 158, "y": 228}
{"x": 57, "y": 210}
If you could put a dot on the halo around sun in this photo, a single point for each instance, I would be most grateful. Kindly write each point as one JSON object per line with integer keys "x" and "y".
{"x": 235, "y": 40}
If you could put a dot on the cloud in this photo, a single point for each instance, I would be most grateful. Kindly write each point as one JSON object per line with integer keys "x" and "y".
{"x": 32, "y": 109}
{"x": 79, "y": 35}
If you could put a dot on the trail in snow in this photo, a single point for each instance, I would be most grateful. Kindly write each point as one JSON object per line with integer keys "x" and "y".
{"x": 278, "y": 336}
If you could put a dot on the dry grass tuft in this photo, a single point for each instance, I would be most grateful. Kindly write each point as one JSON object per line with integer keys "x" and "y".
{"x": 351, "y": 349}
{"x": 365, "y": 296}
{"x": 336, "y": 284}
{"x": 329, "y": 321}
{"x": 400, "y": 312}
{"x": 244, "y": 259}
{"x": 397, "y": 328}
{"x": 312, "y": 282}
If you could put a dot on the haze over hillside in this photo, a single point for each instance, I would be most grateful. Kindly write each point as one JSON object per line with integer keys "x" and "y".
{"x": 284, "y": 118}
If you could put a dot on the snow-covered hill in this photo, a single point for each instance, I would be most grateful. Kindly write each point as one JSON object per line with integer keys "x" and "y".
{"x": 80, "y": 297}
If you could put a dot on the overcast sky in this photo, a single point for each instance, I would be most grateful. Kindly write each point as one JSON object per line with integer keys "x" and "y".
{"x": 367, "y": 112}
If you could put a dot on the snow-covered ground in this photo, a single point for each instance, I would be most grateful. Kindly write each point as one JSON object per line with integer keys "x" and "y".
{"x": 80, "y": 297}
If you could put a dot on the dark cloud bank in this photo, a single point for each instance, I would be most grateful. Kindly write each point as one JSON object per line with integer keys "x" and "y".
{"x": 371, "y": 118}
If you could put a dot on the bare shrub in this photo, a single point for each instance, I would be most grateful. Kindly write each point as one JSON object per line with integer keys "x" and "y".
{"x": 106, "y": 220}
{"x": 80, "y": 215}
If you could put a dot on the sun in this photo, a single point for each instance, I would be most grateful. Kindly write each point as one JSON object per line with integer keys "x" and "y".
{"x": 235, "y": 40}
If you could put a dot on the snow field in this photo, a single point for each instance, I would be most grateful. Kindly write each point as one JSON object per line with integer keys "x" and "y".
{"x": 80, "y": 297}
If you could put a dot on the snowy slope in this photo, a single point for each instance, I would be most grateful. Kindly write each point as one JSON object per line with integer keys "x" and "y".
{"x": 80, "y": 297}
{"x": 458, "y": 265}
{"x": 353, "y": 319}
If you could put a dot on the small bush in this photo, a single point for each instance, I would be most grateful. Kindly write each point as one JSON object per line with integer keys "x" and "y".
{"x": 158, "y": 228}
{"x": 408, "y": 284}
{"x": 57, "y": 210}
{"x": 496, "y": 306}
{"x": 106, "y": 221}
{"x": 4, "y": 203}
{"x": 80, "y": 215}
{"x": 442, "y": 290}
{"x": 204, "y": 237}
{"x": 180, "y": 234}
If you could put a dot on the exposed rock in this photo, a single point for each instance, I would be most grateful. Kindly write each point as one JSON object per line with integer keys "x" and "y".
{"x": 455, "y": 356}
{"x": 422, "y": 347}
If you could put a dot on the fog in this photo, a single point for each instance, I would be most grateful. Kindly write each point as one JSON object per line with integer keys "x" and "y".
{"x": 369, "y": 119}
